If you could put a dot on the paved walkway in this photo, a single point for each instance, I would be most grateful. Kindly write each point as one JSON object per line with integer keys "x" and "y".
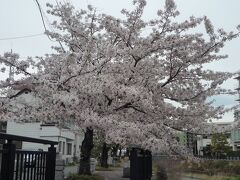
{"x": 115, "y": 174}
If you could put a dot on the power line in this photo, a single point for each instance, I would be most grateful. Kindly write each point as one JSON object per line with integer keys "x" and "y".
{"x": 48, "y": 22}
{"x": 41, "y": 13}
{"x": 21, "y": 37}
{"x": 40, "y": 10}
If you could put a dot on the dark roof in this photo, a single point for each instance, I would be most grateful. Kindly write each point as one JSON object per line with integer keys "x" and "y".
{"x": 21, "y": 92}
{"x": 238, "y": 77}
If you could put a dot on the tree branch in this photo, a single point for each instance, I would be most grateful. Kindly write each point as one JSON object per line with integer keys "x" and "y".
{"x": 18, "y": 68}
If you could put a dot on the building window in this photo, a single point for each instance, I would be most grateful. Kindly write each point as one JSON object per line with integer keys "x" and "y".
{"x": 3, "y": 127}
{"x": 228, "y": 135}
{"x": 205, "y": 136}
{"x": 60, "y": 146}
{"x": 74, "y": 150}
{"x": 63, "y": 151}
{"x": 69, "y": 148}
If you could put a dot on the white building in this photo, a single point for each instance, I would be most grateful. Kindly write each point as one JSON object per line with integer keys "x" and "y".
{"x": 205, "y": 140}
{"x": 69, "y": 142}
{"x": 235, "y": 136}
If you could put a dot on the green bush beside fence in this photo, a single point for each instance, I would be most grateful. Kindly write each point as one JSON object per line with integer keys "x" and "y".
{"x": 84, "y": 177}
{"x": 214, "y": 167}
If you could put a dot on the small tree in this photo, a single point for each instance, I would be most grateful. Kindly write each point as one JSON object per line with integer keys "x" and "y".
{"x": 220, "y": 145}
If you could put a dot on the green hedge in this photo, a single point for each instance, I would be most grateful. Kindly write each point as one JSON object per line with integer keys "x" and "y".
{"x": 215, "y": 167}
{"x": 84, "y": 177}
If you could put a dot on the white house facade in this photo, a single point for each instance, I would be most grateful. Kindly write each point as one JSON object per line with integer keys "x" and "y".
{"x": 69, "y": 143}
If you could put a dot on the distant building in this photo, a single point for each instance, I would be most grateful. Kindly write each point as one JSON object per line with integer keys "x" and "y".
{"x": 189, "y": 140}
{"x": 235, "y": 135}
{"x": 235, "y": 138}
{"x": 204, "y": 141}
{"x": 237, "y": 112}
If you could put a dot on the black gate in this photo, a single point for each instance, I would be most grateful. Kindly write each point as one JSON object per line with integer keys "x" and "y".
{"x": 26, "y": 165}
{"x": 140, "y": 164}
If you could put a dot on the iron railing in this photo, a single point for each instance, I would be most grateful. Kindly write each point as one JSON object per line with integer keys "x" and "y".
{"x": 26, "y": 165}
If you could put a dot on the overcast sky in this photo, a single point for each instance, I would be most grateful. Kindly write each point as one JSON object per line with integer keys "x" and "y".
{"x": 22, "y": 18}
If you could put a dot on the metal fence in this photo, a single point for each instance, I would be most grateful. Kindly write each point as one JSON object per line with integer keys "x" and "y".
{"x": 26, "y": 165}
{"x": 216, "y": 158}
{"x": 30, "y": 165}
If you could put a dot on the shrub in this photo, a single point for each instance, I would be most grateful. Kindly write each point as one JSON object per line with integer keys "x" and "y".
{"x": 214, "y": 167}
{"x": 84, "y": 177}
{"x": 71, "y": 164}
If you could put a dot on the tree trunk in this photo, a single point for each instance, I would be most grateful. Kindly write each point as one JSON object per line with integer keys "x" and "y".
{"x": 104, "y": 156}
{"x": 127, "y": 152}
{"x": 86, "y": 149}
{"x": 115, "y": 150}
{"x": 162, "y": 174}
{"x": 120, "y": 152}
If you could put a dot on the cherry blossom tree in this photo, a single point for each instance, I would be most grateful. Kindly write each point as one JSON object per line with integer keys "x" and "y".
{"x": 136, "y": 86}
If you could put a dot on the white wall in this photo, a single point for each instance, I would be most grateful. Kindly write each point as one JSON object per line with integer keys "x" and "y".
{"x": 52, "y": 133}
{"x": 49, "y": 131}
{"x": 26, "y": 129}
{"x": 67, "y": 134}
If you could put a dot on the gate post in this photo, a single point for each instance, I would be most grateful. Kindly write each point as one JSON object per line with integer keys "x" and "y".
{"x": 140, "y": 164}
{"x": 8, "y": 161}
{"x": 51, "y": 163}
{"x": 133, "y": 163}
{"x": 148, "y": 165}
{"x": 136, "y": 164}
